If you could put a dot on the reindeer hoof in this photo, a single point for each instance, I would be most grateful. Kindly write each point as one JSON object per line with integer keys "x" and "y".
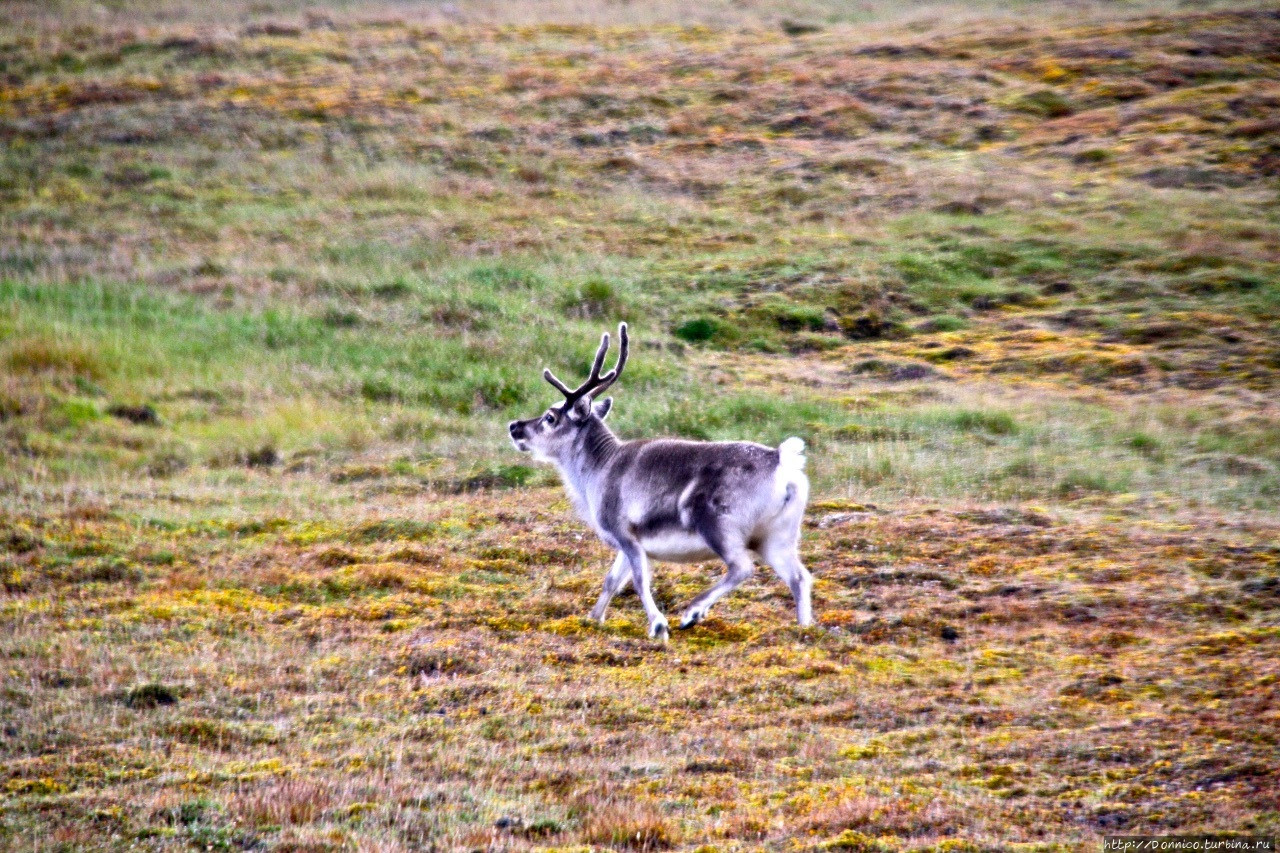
{"x": 691, "y": 618}
{"x": 660, "y": 631}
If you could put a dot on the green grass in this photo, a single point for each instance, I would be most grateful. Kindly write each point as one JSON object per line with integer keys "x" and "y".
{"x": 228, "y": 381}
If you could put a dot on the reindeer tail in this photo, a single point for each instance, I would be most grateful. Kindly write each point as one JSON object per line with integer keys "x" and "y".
{"x": 791, "y": 454}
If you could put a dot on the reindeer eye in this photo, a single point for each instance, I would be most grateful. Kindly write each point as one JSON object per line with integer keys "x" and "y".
{"x": 549, "y": 419}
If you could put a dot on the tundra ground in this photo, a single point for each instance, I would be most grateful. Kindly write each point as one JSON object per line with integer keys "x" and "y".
{"x": 274, "y": 579}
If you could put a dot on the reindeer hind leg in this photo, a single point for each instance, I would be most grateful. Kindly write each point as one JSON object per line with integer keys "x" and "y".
{"x": 740, "y": 569}
{"x": 736, "y": 558}
{"x": 784, "y": 559}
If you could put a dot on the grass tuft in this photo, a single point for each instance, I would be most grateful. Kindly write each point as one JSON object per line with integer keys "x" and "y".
{"x": 151, "y": 695}
{"x": 629, "y": 826}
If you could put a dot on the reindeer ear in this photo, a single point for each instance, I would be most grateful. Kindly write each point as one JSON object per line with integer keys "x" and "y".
{"x": 603, "y": 407}
{"x": 582, "y": 409}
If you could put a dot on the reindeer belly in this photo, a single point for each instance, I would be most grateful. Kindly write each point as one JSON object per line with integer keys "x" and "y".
{"x": 674, "y": 545}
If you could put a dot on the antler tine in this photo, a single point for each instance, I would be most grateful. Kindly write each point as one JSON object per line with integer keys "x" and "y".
{"x": 560, "y": 386}
{"x": 594, "y": 378}
{"x": 612, "y": 376}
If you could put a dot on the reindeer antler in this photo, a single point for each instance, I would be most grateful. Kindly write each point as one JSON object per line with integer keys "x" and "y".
{"x": 595, "y": 382}
{"x": 612, "y": 376}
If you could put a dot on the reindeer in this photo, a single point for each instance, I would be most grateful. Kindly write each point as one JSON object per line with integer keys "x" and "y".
{"x": 672, "y": 500}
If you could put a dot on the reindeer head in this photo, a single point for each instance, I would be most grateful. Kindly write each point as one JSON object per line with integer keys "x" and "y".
{"x": 551, "y": 434}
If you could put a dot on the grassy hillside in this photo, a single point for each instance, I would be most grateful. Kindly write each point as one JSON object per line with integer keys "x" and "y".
{"x": 271, "y": 286}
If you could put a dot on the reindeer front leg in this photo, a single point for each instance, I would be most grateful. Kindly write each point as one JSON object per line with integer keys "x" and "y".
{"x": 614, "y": 582}
{"x": 641, "y": 578}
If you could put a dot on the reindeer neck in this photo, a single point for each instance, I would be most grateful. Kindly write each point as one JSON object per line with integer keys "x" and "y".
{"x": 594, "y": 447}
{"x": 592, "y": 451}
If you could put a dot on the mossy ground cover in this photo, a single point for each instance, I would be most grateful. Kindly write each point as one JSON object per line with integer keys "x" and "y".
{"x": 984, "y": 678}
{"x": 273, "y": 578}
